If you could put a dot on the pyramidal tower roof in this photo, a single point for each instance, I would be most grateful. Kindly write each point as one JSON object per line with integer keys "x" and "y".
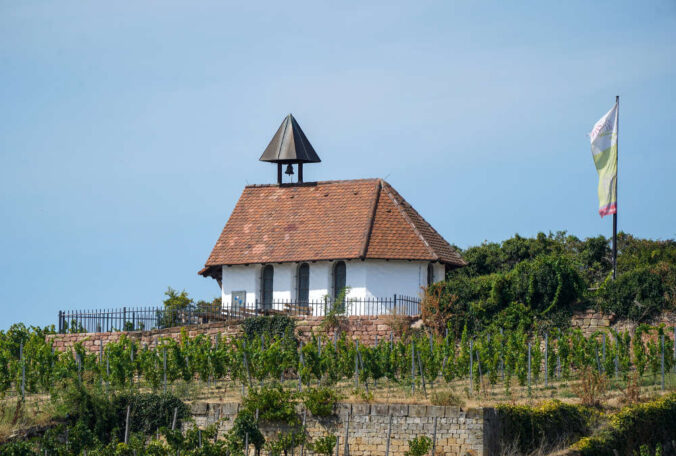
{"x": 290, "y": 145}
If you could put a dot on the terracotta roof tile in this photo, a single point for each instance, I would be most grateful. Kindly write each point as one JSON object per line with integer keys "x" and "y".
{"x": 326, "y": 221}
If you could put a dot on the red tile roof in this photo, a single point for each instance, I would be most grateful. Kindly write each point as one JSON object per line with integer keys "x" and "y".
{"x": 353, "y": 219}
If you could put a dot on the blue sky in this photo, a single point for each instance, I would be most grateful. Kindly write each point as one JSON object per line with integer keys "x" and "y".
{"x": 128, "y": 129}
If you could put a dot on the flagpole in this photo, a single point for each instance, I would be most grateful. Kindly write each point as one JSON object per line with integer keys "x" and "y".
{"x": 617, "y": 101}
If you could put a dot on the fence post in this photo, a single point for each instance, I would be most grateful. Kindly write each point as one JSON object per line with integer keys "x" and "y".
{"x": 394, "y": 306}
{"x": 60, "y": 322}
{"x": 124, "y": 319}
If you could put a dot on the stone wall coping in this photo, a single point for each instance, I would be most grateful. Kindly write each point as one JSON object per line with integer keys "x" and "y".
{"x": 201, "y": 408}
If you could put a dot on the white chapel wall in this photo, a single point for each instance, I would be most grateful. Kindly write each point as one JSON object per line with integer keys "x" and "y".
{"x": 366, "y": 279}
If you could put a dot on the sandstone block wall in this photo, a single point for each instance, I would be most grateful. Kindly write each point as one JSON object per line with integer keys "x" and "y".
{"x": 458, "y": 432}
{"x": 365, "y": 328}
{"x": 591, "y": 320}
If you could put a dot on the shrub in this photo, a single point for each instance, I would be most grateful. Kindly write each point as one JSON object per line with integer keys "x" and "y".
{"x": 640, "y": 294}
{"x": 651, "y": 423}
{"x": 446, "y": 398}
{"x": 547, "y": 425}
{"x": 592, "y": 386}
{"x": 149, "y": 412}
{"x": 273, "y": 403}
{"x": 320, "y": 401}
{"x": 324, "y": 445}
{"x": 243, "y": 425}
{"x": 277, "y": 326}
{"x": 419, "y": 446}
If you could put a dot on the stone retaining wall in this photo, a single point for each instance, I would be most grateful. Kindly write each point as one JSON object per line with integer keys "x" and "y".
{"x": 591, "y": 320}
{"x": 458, "y": 432}
{"x": 364, "y": 328}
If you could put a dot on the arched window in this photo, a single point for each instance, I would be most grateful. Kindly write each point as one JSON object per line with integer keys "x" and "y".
{"x": 338, "y": 278}
{"x": 266, "y": 286}
{"x": 430, "y": 274}
{"x": 303, "y": 283}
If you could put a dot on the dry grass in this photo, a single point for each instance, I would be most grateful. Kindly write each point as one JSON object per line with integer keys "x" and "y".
{"x": 16, "y": 415}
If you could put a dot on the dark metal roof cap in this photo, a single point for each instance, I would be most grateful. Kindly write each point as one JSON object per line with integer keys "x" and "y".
{"x": 290, "y": 145}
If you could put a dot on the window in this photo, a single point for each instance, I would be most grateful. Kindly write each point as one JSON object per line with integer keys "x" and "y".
{"x": 430, "y": 274}
{"x": 303, "y": 283}
{"x": 266, "y": 286}
{"x": 338, "y": 278}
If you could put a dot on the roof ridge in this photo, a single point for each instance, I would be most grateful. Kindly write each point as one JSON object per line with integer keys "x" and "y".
{"x": 372, "y": 219}
{"x": 399, "y": 204}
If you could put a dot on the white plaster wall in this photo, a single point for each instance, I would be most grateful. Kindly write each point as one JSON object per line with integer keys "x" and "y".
{"x": 439, "y": 272}
{"x": 366, "y": 279}
{"x": 240, "y": 278}
{"x": 320, "y": 280}
{"x": 384, "y": 279}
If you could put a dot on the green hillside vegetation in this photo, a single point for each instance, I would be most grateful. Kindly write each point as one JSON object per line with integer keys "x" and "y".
{"x": 538, "y": 282}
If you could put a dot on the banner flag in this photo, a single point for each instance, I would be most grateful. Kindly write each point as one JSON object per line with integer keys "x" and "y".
{"x": 603, "y": 139}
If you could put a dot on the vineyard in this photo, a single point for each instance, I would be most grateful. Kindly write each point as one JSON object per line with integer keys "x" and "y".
{"x": 497, "y": 365}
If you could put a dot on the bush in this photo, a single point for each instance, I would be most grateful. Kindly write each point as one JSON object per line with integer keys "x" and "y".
{"x": 104, "y": 416}
{"x": 641, "y": 293}
{"x": 547, "y": 425}
{"x": 446, "y": 398}
{"x": 149, "y": 412}
{"x": 277, "y": 326}
{"x": 651, "y": 423}
{"x": 274, "y": 404}
{"x": 324, "y": 445}
{"x": 320, "y": 401}
{"x": 419, "y": 446}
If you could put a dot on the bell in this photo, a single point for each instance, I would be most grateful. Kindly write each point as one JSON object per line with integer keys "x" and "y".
{"x": 289, "y": 169}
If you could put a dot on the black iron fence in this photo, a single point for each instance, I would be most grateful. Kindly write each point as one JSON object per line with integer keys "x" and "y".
{"x": 147, "y": 318}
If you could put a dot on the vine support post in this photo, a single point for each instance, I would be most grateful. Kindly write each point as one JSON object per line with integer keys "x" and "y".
{"x": 434, "y": 437}
{"x": 346, "y": 445}
{"x": 617, "y": 358}
{"x": 412, "y": 367}
{"x": 546, "y": 360}
{"x": 662, "y": 359}
{"x": 389, "y": 436}
{"x": 471, "y": 365}
{"x": 23, "y": 372}
{"x": 126, "y": 425}
{"x": 164, "y": 359}
{"x": 529, "y": 369}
